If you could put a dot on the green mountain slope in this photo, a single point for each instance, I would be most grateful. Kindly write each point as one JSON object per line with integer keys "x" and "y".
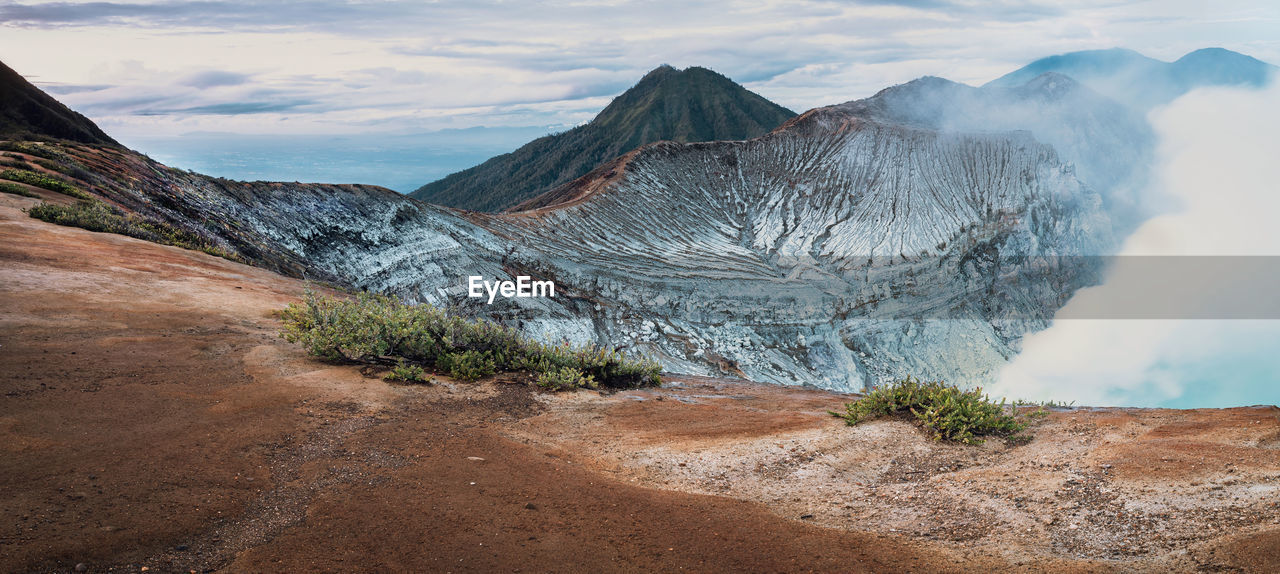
{"x": 691, "y": 105}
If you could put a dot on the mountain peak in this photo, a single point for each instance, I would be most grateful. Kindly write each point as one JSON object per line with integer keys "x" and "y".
{"x": 690, "y": 105}
{"x": 1142, "y": 82}
{"x": 26, "y": 112}
{"x": 668, "y": 100}
{"x": 1215, "y": 53}
{"x": 662, "y": 70}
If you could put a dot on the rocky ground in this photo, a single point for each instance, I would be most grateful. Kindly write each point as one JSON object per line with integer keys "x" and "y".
{"x": 152, "y": 418}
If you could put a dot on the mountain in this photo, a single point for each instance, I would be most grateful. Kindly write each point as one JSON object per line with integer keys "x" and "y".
{"x": 1108, "y": 144}
{"x": 853, "y": 245}
{"x": 26, "y": 111}
{"x": 691, "y": 105}
{"x": 1142, "y": 82}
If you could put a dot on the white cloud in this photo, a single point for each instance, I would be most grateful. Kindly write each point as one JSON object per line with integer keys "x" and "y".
{"x": 460, "y": 63}
{"x": 1217, "y": 161}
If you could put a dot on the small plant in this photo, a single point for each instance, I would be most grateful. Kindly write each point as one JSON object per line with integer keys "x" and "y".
{"x": 10, "y": 187}
{"x": 947, "y": 412}
{"x": 42, "y": 180}
{"x": 408, "y": 373}
{"x": 566, "y": 379}
{"x": 468, "y": 365}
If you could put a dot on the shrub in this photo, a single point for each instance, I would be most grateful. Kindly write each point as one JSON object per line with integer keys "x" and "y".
{"x": 376, "y": 328}
{"x": 566, "y": 379}
{"x": 9, "y": 187}
{"x": 98, "y": 216}
{"x": 947, "y": 412}
{"x": 407, "y": 373}
{"x": 37, "y": 149}
{"x": 42, "y": 180}
{"x": 468, "y": 365}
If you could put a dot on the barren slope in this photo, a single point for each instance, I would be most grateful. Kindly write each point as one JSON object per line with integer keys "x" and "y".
{"x": 854, "y": 245}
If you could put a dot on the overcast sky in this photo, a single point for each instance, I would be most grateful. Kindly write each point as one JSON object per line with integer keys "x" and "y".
{"x": 156, "y": 68}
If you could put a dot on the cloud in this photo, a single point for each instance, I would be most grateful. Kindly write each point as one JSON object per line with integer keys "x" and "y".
{"x": 423, "y": 62}
{"x": 234, "y": 108}
{"x": 1216, "y": 160}
{"x": 214, "y": 79}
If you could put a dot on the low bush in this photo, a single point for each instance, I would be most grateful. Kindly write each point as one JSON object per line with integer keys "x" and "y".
{"x": 98, "y": 216}
{"x": 44, "y": 181}
{"x": 375, "y": 328}
{"x": 468, "y": 365}
{"x": 10, "y": 187}
{"x": 37, "y": 149}
{"x": 407, "y": 373}
{"x": 566, "y": 379}
{"x": 947, "y": 412}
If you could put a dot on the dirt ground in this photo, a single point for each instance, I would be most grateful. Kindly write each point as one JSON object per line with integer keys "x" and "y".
{"x": 152, "y": 418}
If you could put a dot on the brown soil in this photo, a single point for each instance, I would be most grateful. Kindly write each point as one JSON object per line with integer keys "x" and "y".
{"x": 152, "y": 417}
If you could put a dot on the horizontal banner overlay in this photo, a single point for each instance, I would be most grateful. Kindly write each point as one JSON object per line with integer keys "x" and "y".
{"x": 1035, "y": 288}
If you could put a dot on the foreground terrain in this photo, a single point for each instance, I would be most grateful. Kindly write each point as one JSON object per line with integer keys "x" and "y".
{"x": 151, "y": 417}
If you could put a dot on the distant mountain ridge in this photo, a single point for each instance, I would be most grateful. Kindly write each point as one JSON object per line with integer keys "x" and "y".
{"x": 686, "y": 106}
{"x": 26, "y": 111}
{"x": 1142, "y": 82}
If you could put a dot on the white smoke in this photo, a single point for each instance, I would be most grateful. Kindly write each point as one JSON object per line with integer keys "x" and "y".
{"x": 1219, "y": 157}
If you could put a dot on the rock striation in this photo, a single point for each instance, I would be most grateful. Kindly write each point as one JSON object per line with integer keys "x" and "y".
{"x": 855, "y": 244}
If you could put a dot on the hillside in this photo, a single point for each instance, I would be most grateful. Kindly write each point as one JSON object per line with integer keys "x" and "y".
{"x": 26, "y": 111}
{"x": 821, "y": 253}
{"x": 1143, "y": 82}
{"x": 176, "y": 431}
{"x": 691, "y": 105}
{"x": 1108, "y": 144}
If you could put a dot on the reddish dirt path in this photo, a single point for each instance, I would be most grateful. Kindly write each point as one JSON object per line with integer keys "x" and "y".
{"x": 151, "y": 417}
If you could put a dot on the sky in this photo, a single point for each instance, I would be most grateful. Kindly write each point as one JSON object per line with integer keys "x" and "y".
{"x": 155, "y": 69}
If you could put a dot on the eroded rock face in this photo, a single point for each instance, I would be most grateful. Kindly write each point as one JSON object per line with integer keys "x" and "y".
{"x": 844, "y": 249}
{"x": 837, "y": 252}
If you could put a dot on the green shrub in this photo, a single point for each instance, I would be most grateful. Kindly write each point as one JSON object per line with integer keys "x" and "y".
{"x": 98, "y": 216}
{"x": 947, "y": 412}
{"x": 566, "y": 379}
{"x": 407, "y": 373}
{"x": 9, "y": 187}
{"x": 42, "y": 180}
{"x": 38, "y": 150}
{"x": 468, "y": 365}
{"x": 375, "y": 328}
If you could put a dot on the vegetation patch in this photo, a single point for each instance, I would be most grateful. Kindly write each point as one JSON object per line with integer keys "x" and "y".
{"x": 408, "y": 373}
{"x": 945, "y": 411}
{"x": 468, "y": 365}
{"x": 98, "y": 216}
{"x": 10, "y": 187}
{"x": 566, "y": 379}
{"x": 379, "y": 329}
{"x": 44, "y": 181}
